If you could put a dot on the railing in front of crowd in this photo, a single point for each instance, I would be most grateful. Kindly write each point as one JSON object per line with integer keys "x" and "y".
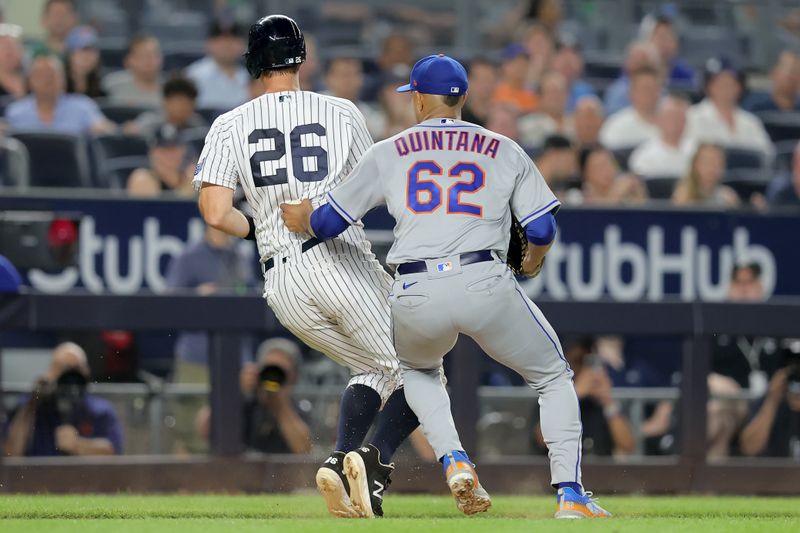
{"x": 148, "y": 407}
{"x": 226, "y": 317}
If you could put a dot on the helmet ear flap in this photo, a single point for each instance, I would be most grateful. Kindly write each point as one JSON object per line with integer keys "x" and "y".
{"x": 253, "y": 64}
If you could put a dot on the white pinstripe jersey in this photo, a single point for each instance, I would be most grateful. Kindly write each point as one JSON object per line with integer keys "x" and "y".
{"x": 280, "y": 147}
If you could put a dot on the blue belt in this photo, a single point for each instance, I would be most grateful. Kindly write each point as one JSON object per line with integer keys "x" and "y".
{"x": 467, "y": 258}
{"x": 309, "y": 244}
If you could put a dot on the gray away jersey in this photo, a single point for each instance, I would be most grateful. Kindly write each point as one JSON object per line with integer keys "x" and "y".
{"x": 449, "y": 185}
{"x": 284, "y": 146}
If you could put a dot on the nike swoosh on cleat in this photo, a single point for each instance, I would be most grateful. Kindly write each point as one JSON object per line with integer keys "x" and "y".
{"x": 407, "y": 285}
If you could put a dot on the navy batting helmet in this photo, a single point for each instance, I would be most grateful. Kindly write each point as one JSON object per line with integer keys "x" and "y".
{"x": 274, "y": 42}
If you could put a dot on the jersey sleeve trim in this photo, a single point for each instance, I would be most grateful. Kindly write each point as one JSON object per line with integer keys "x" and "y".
{"x": 340, "y": 209}
{"x": 539, "y": 212}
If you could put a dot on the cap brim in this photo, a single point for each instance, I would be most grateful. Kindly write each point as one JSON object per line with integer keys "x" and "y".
{"x": 404, "y": 88}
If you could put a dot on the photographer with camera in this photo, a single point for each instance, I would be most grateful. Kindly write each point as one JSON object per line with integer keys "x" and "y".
{"x": 775, "y": 429}
{"x": 272, "y": 421}
{"x": 60, "y": 417}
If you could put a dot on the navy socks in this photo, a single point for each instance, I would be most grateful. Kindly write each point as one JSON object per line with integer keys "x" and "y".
{"x": 569, "y": 485}
{"x": 396, "y": 423}
{"x": 359, "y": 406}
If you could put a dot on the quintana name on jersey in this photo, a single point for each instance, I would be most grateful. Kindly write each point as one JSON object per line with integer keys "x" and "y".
{"x": 450, "y": 140}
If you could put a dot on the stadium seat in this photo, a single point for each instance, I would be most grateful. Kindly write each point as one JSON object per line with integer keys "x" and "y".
{"x": 15, "y": 161}
{"x": 114, "y": 152}
{"x": 743, "y": 158}
{"x": 178, "y": 56}
{"x": 112, "y": 53}
{"x": 622, "y": 155}
{"x": 57, "y": 159}
{"x": 210, "y": 114}
{"x": 745, "y": 184}
{"x": 118, "y": 170}
{"x": 195, "y": 137}
{"x": 784, "y": 153}
{"x": 121, "y": 114}
{"x": 781, "y": 126}
{"x": 660, "y": 187}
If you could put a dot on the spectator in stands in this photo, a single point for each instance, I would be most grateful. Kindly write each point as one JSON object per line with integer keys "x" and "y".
{"x": 539, "y": 43}
{"x": 661, "y": 33}
{"x": 558, "y": 163}
{"x": 49, "y": 109}
{"x": 551, "y": 118}
{"x": 633, "y": 125}
{"x": 738, "y": 363}
{"x": 344, "y": 78}
{"x": 396, "y": 112}
{"x": 784, "y": 93}
{"x": 58, "y": 19}
{"x": 718, "y": 119}
{"x": 12, "y": 81}
{"x": 603, "y": 183}
{"x": 213, "y": 265}
{"x": 503, "y": 120}
{"x": 273, "y": 422}
{"x": 668, "y": 154}
{"x": 395, "y": 61}
{"x": 702, "y": 186}
{"x": 178, "y": 108}
{"x": 309, "y": 74}
{"x": 140, "y": 83}
{"x": 60, "y": 417}
{"x": 569, "y": 62}
{"x": 587, "y": 121}
{"x": 221, "y": 79}
{"x": 640, "y": 54}
{"x": 784, "y": 191}
{"x": 606, "y": 430}
{"x": 774, "y": 431}
{"x": 83, "y": 63}
{"x": 482, "y": 81}
{"x": 512, "y": 88}
{"x": 171, "y": 166}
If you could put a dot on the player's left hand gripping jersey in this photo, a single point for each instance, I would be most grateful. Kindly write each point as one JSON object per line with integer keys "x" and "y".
{"x": 282, "y": 147}
{"x": 449, "y": 185}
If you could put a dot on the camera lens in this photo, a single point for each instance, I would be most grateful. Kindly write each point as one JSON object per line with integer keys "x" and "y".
{"x": 272, "y": 378}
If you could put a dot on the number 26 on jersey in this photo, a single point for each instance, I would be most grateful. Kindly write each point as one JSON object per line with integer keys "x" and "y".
{"x": 426, "y": 195}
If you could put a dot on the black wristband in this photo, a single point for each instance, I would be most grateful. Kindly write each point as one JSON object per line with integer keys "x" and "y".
{"x": 251, "y": 234}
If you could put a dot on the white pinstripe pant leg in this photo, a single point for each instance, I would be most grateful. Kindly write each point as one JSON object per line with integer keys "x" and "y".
{"x": 339, "y": 307}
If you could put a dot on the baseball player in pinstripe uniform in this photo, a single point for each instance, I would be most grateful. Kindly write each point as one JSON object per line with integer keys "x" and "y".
{"x": 452, "y": 188}
{"x": 284, "y": 146}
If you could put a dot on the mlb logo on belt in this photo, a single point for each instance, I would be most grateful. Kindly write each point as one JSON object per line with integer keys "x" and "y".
{"x": 444, "y": 267}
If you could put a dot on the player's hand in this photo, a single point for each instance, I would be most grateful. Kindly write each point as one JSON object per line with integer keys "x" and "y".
{"x": 297, "y": 217}
{"x": 531, "y": 269}
{"x": 67, "y": 439}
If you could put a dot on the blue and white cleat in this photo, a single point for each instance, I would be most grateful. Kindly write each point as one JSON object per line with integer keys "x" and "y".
{"x": 470, "y": 497}
{"x": 574, "y": 505}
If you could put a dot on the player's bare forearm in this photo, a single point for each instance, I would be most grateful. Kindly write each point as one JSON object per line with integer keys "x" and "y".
{"x": 534, "y": 259}
{"x": 297, "y": 217}
{"x": 216, "y": 206}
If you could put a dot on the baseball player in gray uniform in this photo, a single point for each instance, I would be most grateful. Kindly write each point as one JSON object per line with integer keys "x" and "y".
{"x": 452, "y": 187}
{"x": 284, "y": 146}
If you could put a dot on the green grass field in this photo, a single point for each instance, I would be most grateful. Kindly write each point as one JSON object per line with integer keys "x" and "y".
{"x": 306, "y": 513}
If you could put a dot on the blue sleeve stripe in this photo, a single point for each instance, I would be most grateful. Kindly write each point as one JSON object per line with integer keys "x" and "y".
{"x": 542, "y": 230}
{"x": 538, "y": 211}
{"x": 340, "y": 209}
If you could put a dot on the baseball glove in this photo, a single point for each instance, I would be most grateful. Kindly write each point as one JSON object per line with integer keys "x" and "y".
{"x": 517, "y": 246}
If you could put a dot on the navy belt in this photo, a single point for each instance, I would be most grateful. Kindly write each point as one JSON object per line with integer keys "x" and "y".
{"x": 467, "y": 258}
{"x": 309, "y": 244}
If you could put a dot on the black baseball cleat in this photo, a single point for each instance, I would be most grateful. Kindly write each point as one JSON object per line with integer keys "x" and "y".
{"x": 334, "y": 487}
{"x": 369, "y": 479}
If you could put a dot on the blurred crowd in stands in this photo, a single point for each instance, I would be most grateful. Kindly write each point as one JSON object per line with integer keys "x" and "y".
{"x": 654, "y": 127}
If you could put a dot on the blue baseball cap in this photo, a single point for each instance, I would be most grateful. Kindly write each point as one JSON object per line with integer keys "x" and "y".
{"x": 80, "y": 38}
{"x": 437, "y": 74}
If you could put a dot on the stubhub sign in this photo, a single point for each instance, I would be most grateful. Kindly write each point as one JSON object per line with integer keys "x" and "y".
{"x": 627, "y": 255}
